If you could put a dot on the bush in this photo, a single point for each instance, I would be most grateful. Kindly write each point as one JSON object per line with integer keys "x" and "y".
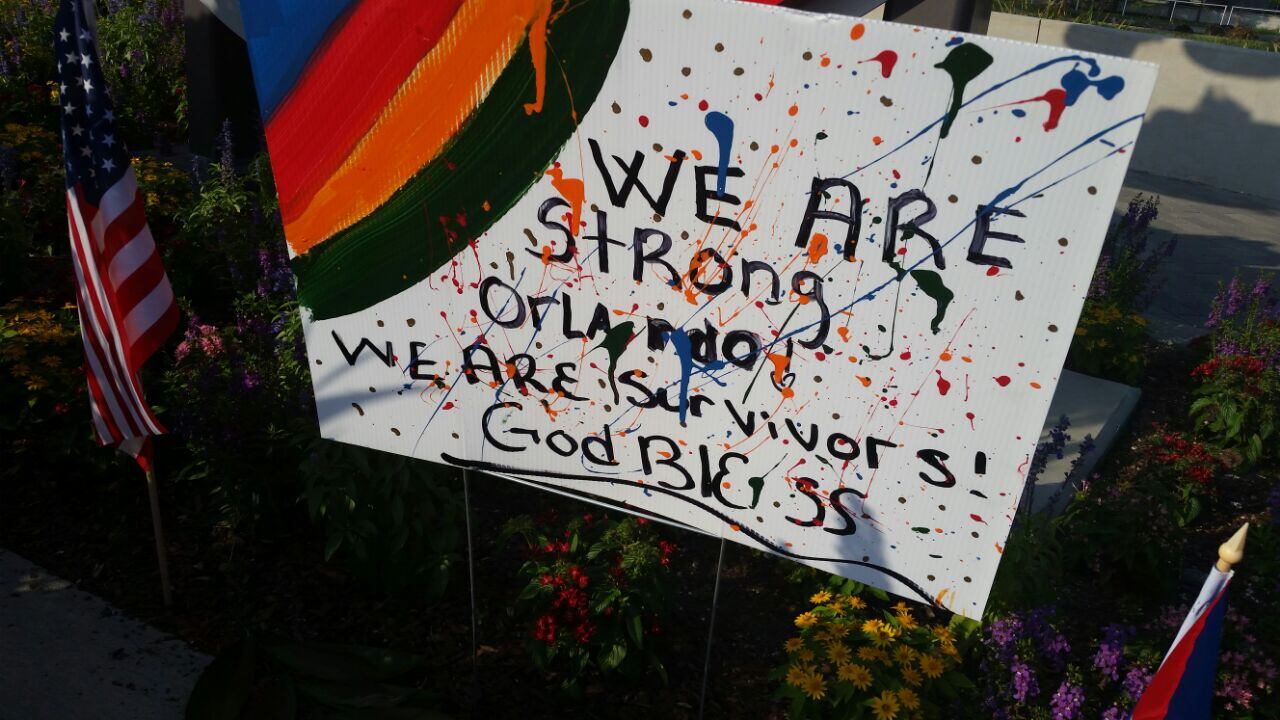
{"x": 388, "y": 518}
{"x": 1111, "y": 338}
{"x": 1237, "y": 402}
{"x": 1029, "y": 670}
{"x": 596, "y": 596}
{"x": 33, "y": 213}
{"x": 43, "y": 386}
{"x": 1121, "y": 528}
{"x": 852, "y": 660}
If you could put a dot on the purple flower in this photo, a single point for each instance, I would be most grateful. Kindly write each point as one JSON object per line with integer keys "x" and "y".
{"x": 1111, "y": 651}
{"x": 1066, "y": 702}
{"x": 1024, "y": 681}
{"x": 1113, "y": 713}
{"x": 1136, "y": 681}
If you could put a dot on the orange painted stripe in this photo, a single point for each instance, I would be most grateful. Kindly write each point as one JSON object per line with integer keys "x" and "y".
{"x": 345, "y": 88}
{"x": 441, "y": 92}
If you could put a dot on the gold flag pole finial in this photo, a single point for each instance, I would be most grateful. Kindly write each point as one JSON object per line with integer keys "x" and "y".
{"x": 1232, "y": 551}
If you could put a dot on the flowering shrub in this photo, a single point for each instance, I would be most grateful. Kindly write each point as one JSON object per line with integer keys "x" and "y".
{"x": 42, "y": 383}
{"x": 33, "y": 215}
{"x": 142, "y": 44}
{"x": 597, "y": 595}
{"x": 1121, "y": 529}
{"x": 166, "y": 190}
{"x": 1111, "y": 335}
{"x": 1238, "y": 398}
{"x": 1191, "y": 466}
{"x": 1029, "y": 670}
{"x": 1109, "y": 342}
{"x": 852, "y": 660}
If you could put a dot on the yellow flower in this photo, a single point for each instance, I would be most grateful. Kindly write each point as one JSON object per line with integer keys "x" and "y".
{"x": 943, "y": 633}
{"x": 838, "y": 631}
{"x": 857, "y": 675}
{"x": 793, "y": 645}
{"x": 867, "y": 653}
{"x": 901, "y": 607}
{"x": 795, "y": 675}
{"x": 820, "y": 597}
{"x": 806, "y": 619}
{"x": 836, "y": 608}
{"x": 930, "y": 665}
{"x": 855, "y": 602}
{"x": 885, "y": 707}
{"x": 806, "y": 655}
{"x": 906, "y": 620}
{"x": 838, "y": 652}
{"x": 904, "y": 655}
{"x": 911, "y": 676}
{"x": 814, "y": 686}
{"x": 908, "y": 698}
{"x": 872, "y": 626}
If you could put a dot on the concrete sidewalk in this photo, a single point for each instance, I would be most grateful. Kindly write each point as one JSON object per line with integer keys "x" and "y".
{"x": 1217, "y": 232}
{"x": 65, "y": 653}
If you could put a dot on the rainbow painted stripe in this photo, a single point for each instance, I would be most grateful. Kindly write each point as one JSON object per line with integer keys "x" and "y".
{"x": 401, "y": 130}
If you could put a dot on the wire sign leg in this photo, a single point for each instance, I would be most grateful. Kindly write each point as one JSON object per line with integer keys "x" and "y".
{"x": 711, "y": 632}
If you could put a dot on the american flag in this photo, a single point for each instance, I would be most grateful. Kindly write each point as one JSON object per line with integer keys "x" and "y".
{"x": 125, "y": 302}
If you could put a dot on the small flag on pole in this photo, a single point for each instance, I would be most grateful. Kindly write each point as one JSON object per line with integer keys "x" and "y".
{"x": 1182, "y": 688}
{"x": 126, "y": 305}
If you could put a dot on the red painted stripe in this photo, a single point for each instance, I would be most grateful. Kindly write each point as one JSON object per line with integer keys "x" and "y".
{"x": 346, "y": 86}
{"x": 1154, "y": 703}
{"x": 101, "y": 409}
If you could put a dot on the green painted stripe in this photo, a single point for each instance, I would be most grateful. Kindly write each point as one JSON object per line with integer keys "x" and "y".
{"x": 496, "y": 157}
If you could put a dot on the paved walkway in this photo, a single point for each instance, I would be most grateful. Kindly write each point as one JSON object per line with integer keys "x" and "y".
{"x": 67, "y": 654}
{"x": 1217, "y": 231}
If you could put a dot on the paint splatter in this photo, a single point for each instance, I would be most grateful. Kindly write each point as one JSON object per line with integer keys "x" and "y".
{"x": 538, "y": 54}
{"x": 721, "y": 126}
{"x": 1057, "y": 101}
{"x": 683, "y": 347}
{"x": 964, "y": 63}
{"x": 888, "y": 59}
{"x": 1002, "y": 380}
{"x": 817, "y": 248}
{"x": 931, "y": 283}
{"x": 571, "y": 189}
{"x": 1074, "y": 83}
{"x": 857, "y": 31}
{"x": 944, "y": 385}
{"x": 615, "y": 343}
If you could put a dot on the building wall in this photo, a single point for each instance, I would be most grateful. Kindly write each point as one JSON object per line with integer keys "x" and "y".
{"x": 1215, "y": 114}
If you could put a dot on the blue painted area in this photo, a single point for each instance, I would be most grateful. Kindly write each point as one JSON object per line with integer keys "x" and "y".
{"x": 1076, "y": 83}
{"x": 955, "y": 41}
{"x": 721, "y": 126}
{"x": 1019, "y": 112}
{"x": 684, "y": 350}
{"x": 282, "y": 36}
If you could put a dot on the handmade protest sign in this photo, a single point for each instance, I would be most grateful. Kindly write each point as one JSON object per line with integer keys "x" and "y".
{"x": 803, "y": 281}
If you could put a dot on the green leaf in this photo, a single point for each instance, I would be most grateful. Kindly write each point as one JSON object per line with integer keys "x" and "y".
{"x": 613, "y": 656}
{"x": 635, "y": 630}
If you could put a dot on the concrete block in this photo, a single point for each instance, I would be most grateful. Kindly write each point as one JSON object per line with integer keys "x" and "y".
{"x": 1096, "y": 408}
